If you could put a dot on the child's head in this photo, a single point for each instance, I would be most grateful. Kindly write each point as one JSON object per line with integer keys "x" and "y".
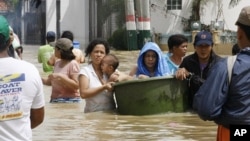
{"x": 109, "y": 64}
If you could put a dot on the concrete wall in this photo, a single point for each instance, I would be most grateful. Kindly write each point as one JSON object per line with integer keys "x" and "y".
{"x": 169, "y": 22}
{"x": 163, "y": 21}
{"x": 74, "y": 17}
{"x": 209, "y": 12}
{"x": 51, "y": 15}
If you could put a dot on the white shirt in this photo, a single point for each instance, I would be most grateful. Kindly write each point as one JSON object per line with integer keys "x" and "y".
{"x": 100, "y": 102}
{"x": 21, "y": 90}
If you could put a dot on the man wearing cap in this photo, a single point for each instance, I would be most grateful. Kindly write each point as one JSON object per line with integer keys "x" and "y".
{"x": 221, "y": 100}
{"x": 196, "y": 66}
{"x": 46, "y": 51}
{"x": 21, "y": 93}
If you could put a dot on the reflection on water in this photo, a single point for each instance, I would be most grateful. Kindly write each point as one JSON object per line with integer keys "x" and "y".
{"x": 64, "y": 122}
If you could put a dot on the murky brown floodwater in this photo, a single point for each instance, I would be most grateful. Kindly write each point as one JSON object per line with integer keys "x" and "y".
{"x": 67, "y": 122}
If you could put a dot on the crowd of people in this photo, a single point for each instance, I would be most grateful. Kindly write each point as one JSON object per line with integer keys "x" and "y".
{"x": 210, "y": 94}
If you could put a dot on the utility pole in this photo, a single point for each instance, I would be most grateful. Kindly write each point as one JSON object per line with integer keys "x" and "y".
{"x": 143, "y": 23}
{"x": 130, "y": 25}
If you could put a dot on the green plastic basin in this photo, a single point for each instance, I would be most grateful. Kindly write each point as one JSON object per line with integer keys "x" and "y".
{"x": 151, "y": 96}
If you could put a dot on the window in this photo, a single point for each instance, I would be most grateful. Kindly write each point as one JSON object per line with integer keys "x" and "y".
{"x": 174, "y": 4}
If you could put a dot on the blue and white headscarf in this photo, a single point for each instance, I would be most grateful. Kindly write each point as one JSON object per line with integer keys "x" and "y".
{"x": 161, "y": 66}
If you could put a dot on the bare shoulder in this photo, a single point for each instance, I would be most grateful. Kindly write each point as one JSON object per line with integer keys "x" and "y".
{"x": 123, "y": 76}
{"x": 133, "y": 71}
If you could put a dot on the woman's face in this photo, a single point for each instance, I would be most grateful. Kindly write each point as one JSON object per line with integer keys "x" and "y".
{"x": 150, "y": 59}
{"x": 97, "y": 54}
{"x": 181, "y": 50}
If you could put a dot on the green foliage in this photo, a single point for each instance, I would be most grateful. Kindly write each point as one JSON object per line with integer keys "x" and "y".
{"x": 120, "y": 18}
{"x": 118, "y": 40}
{"x": 106, "y": 8}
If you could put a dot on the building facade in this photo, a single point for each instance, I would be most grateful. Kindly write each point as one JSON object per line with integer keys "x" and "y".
{"x": 89, "y": 19}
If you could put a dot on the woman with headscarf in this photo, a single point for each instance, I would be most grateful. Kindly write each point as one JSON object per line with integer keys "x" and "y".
{"x": 150, "y": 63}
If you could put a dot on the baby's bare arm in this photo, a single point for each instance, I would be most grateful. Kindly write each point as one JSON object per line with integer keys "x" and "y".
{"x": 119, "y": 76}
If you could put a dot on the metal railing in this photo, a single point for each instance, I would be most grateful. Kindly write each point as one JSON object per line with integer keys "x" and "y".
{"x": 225, "y": 37}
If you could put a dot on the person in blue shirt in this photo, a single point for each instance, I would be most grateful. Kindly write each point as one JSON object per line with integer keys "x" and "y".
{"x": 177, "y": 45}
{"x": 150, "y": 63}
{"x": 221, "y": 100}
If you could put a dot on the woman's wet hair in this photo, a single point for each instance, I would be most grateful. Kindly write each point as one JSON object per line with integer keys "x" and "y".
{"x": 176, "y": 40}
{"x": 95, "y": 42}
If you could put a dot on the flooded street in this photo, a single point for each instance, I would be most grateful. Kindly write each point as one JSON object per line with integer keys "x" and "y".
{"x": 67, "y": 122}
